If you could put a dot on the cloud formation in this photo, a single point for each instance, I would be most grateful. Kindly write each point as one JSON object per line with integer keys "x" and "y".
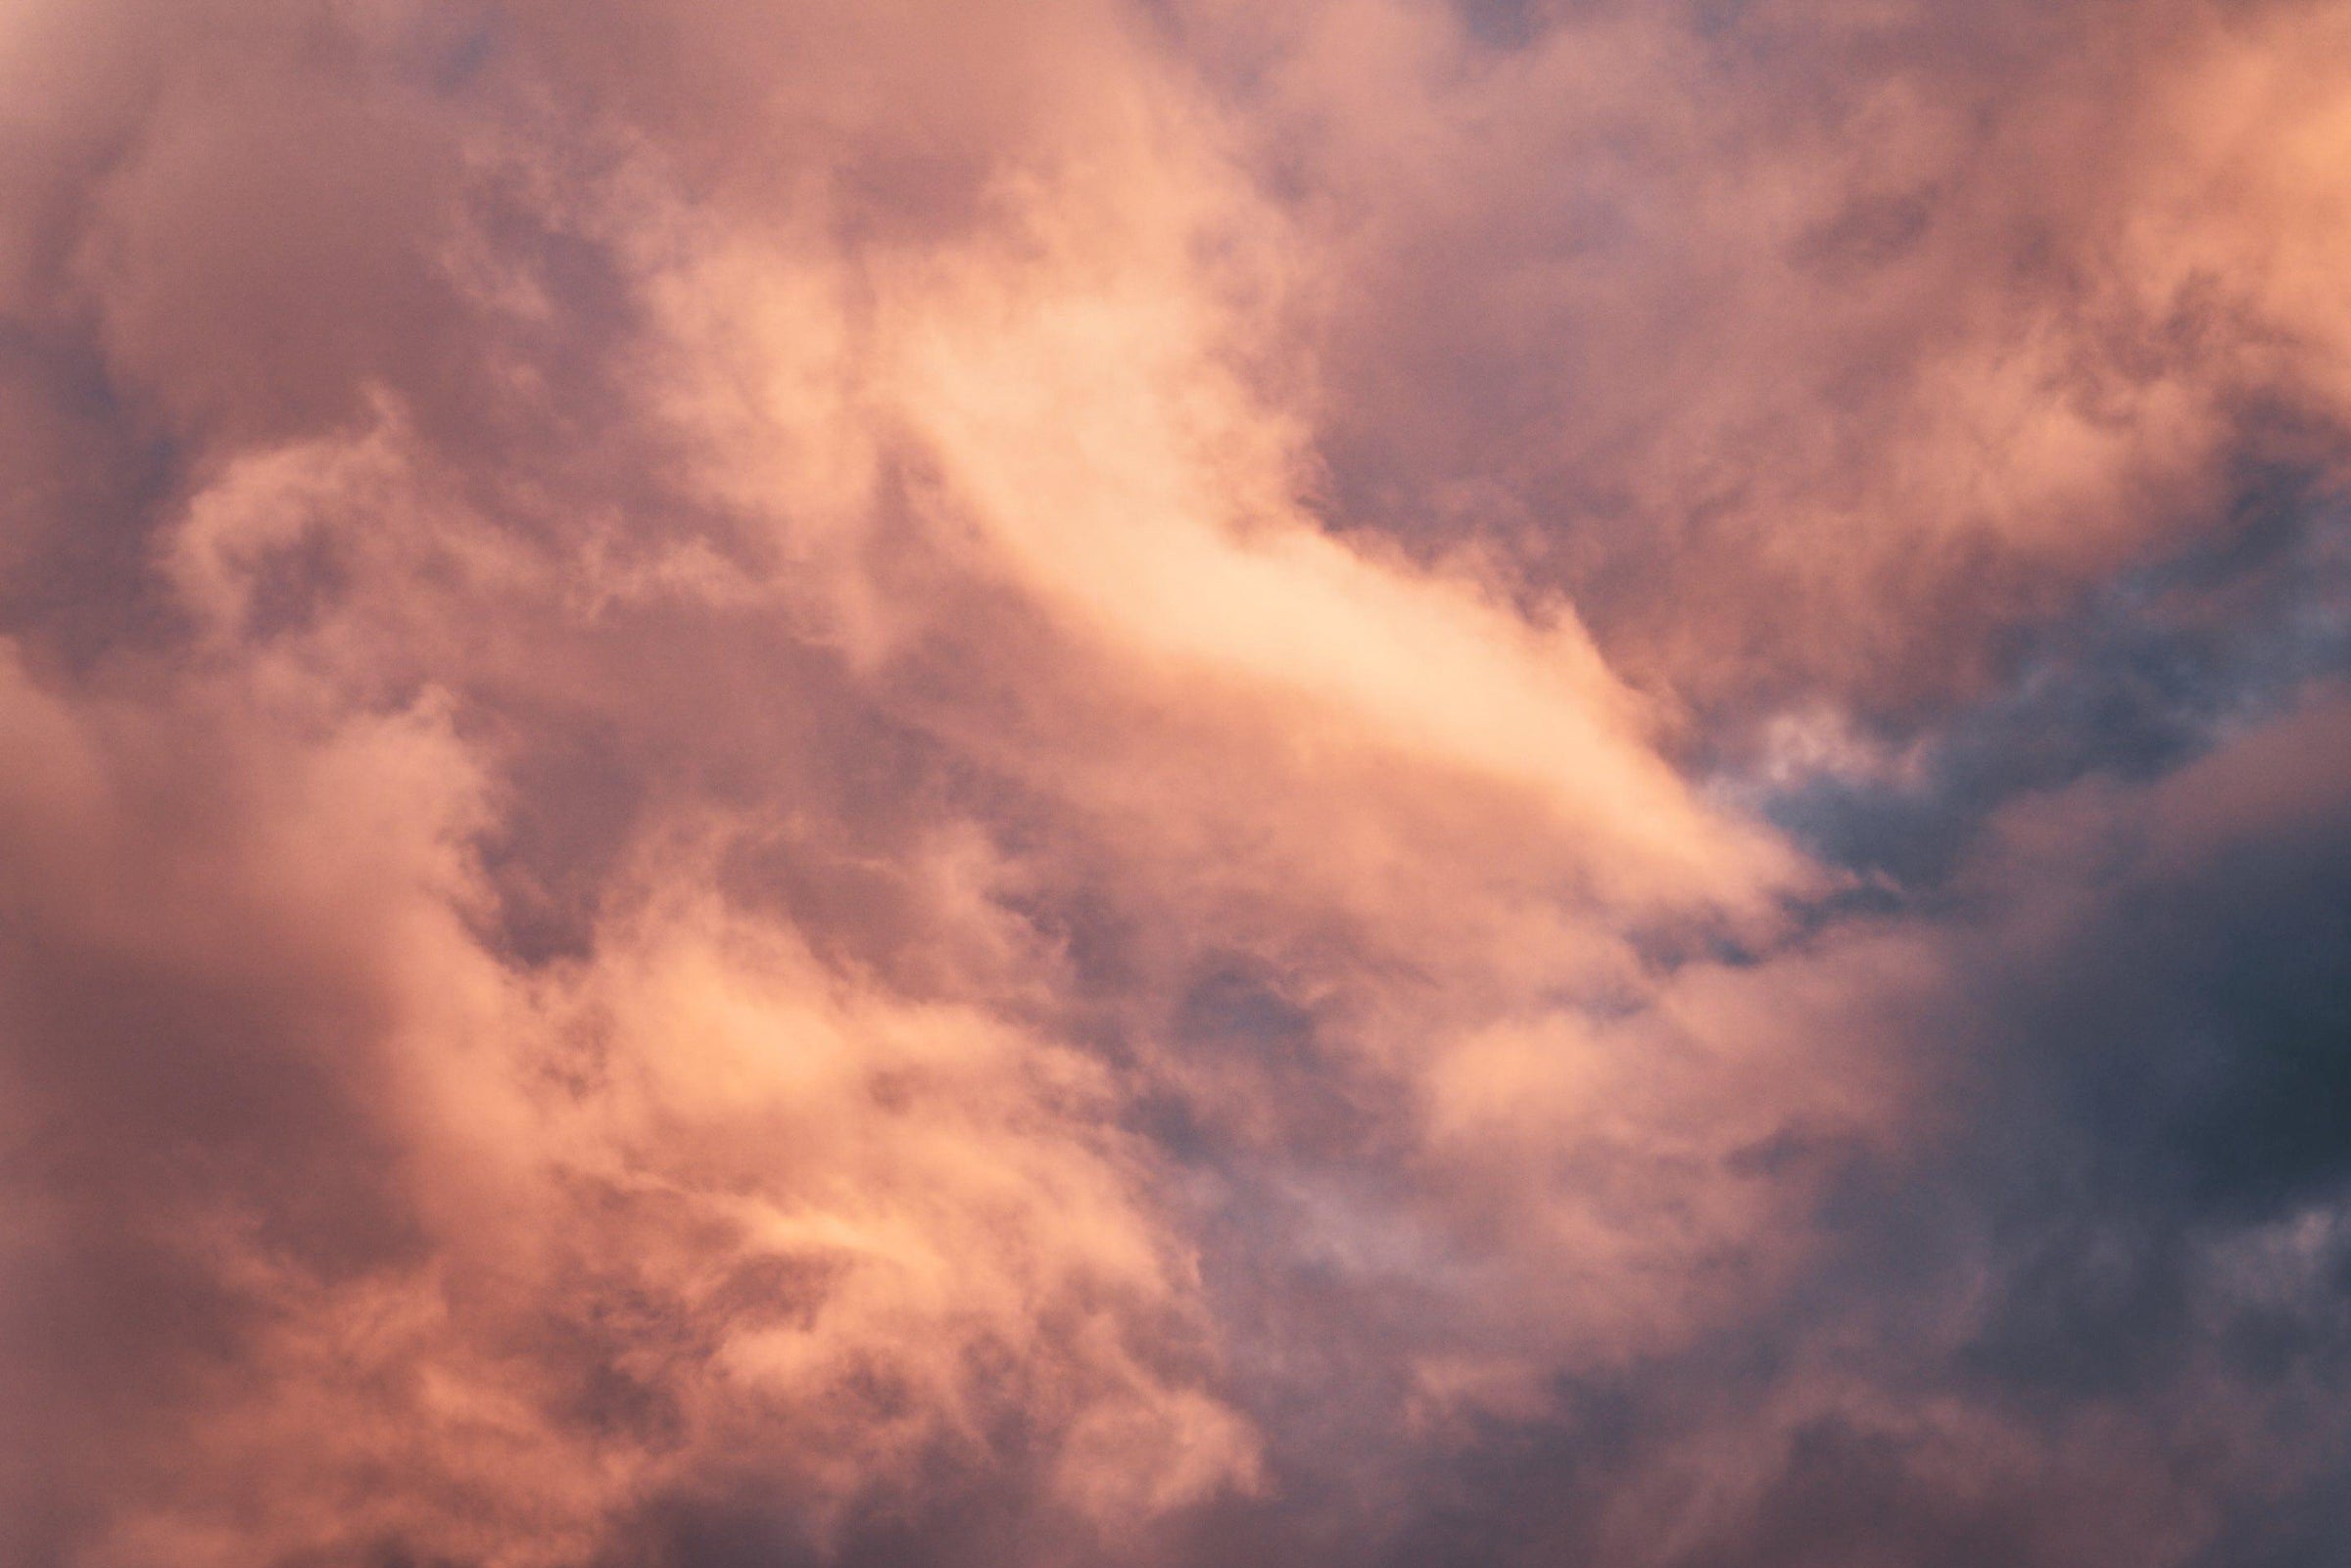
{"x": 1348, "y": 782}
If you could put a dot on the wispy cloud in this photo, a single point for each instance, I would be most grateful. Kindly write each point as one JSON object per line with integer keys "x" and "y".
{"x": 1344, "y": 782}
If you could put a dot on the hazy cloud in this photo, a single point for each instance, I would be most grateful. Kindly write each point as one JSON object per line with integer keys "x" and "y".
{"x": 1350, "y": 782}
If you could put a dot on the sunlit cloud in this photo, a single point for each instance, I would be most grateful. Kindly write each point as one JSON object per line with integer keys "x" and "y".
{"x": 1347, "y": 781}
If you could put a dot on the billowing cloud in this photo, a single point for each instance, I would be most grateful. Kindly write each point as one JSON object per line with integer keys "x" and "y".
{"x": 1340, "y": 781}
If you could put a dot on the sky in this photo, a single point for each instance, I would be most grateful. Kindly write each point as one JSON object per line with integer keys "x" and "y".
{"x": 1174, "y": 784}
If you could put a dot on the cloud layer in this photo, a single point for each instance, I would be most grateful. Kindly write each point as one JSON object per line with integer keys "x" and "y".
{"x": 1352, "y": 781}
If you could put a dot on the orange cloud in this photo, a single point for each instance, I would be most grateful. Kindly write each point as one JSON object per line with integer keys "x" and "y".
{"x": 857, "y": 754}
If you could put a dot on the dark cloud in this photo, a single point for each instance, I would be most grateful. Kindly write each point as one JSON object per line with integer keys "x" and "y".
{"x": 2152, "y": 671}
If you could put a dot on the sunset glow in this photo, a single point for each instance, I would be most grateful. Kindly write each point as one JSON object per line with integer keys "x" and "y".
{"x": 1186, "y": 783}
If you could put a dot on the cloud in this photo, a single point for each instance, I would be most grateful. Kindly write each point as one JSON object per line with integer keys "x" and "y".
{"x": 1169, "y": 784}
